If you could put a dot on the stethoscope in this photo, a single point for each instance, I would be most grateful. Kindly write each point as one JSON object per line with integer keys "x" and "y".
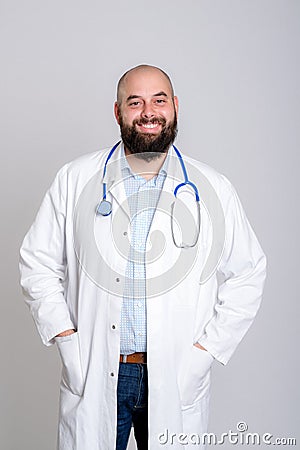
{"x": 104, "y": 208}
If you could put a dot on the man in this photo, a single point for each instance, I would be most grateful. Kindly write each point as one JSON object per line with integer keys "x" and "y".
{"x": 140, "y": 292}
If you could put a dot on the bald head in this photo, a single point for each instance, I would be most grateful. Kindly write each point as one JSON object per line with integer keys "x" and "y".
{"x": 140, "y": 71}
{"x": 146, "y": 111}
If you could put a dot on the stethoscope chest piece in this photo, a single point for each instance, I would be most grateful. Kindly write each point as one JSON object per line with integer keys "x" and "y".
{"x": 104, "y": 208}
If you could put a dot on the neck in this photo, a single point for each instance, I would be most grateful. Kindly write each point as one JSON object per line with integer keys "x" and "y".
{"x": 144, "y": 168}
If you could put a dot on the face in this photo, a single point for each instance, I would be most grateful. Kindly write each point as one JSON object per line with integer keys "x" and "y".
{"x": 147, "y": 113}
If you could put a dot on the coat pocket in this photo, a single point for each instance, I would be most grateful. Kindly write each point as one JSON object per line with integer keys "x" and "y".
{"x": 196, "y": 381}
{"x": 69, "y": 350}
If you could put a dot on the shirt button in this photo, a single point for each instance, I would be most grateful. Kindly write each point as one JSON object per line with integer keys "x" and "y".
{"x": 125, "y": 233}
{"x": 117, "y": 280}
{"x": 112, "y": 374}
{"x": 113, "y": 327}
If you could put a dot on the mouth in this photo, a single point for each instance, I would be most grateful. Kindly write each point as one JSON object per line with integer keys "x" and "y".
{"x": 149, "y": 127}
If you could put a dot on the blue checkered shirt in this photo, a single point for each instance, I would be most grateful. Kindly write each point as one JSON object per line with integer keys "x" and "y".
{"x": 142, "y": 197}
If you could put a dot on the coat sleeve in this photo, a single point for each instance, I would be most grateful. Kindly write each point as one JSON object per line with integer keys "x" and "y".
{"x": 43, "y": 264}
{"x": 242, "y": 270}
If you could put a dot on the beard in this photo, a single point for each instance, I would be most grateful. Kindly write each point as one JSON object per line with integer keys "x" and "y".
{"x": 148, "y": 146}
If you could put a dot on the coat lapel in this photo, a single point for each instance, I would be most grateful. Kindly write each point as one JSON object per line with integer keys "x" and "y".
{"x": 161, "y": 219}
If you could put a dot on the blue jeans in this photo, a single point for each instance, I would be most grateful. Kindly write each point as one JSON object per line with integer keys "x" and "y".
{"x": 132, "y": 405}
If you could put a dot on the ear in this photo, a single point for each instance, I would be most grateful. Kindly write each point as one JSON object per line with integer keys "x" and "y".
{"x": 117, "y": 112}
{"x": 175, "y": 99}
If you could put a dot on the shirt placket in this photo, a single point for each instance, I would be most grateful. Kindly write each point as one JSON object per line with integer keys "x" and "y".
{"x": 140, "y": 227}
{"x": 142, "y": 198}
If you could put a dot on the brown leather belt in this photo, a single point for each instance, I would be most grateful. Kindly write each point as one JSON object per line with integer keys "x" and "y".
{"x": 138, "y": 358}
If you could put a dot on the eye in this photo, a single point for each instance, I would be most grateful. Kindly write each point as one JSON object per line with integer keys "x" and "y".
{"x": 160, "y": 101}
{"x": 135, "y": 103}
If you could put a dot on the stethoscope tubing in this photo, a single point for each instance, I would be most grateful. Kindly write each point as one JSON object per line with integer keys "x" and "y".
{"x": 104, "y": 208}
{"x": 184, "y": 171}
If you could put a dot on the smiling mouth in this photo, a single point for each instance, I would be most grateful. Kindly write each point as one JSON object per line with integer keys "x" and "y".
{"x": 149, "y": 125}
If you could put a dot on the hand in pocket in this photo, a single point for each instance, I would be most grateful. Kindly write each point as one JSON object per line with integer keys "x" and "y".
{"x": 196, "y": 380}
{"x": 69, "y": 350}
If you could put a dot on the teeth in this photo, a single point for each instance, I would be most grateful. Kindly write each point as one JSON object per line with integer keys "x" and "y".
{"x": 150, "y": 125}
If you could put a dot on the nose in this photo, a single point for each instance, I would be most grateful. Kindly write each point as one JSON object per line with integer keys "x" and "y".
{"x": 147, "y": 111}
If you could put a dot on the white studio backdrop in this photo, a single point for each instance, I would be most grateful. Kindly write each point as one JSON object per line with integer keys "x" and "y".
{"x": 235, "y": 68}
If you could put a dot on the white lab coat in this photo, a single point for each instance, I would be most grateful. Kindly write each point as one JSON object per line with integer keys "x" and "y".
{"x": 67, "y": 286}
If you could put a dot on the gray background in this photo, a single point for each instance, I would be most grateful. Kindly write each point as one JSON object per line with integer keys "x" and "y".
{"x": 235, "y": 67}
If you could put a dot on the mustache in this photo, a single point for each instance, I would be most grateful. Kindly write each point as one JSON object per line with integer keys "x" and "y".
{"x": 143, "y": 121}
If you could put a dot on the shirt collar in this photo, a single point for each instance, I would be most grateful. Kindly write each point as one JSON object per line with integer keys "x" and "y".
{"x": 126, "y": 168}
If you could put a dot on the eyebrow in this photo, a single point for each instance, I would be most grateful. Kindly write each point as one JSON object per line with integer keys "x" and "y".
{"x": 159, "y": 94}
